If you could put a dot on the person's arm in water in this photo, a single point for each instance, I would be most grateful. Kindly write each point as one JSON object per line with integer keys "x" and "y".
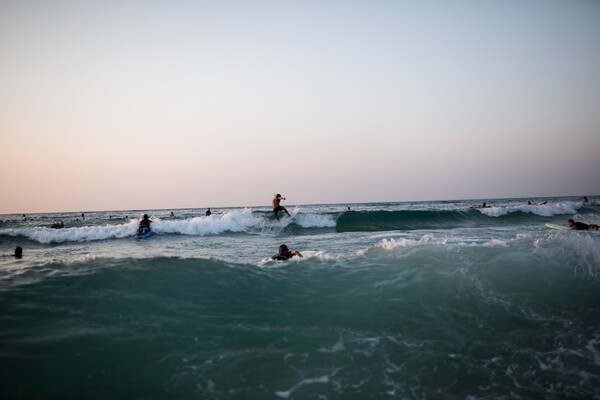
{"x": 296, "y": 253}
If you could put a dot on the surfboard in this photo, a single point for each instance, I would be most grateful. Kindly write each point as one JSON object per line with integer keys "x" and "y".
{"x": 557, "y": 227}
{"x": 144, "y": 235}
{"x": 283, "y": 217}
{"x": 294, "y": 213}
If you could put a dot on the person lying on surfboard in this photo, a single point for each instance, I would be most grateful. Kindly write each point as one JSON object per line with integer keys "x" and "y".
{"x": 277, "y": 207}
{"x": 580, "y": 226}
{"x": 285, "y": 253}
{"x": 482, "y": 205}
{"x": 144, "y": 225}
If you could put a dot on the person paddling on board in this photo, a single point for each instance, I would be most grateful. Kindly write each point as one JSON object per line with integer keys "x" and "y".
{"x": 482, "y": 205}
{"x": 580, "y": 226}
{"x": 285, "y": 253}
{"x": 542, "y": 203}
{"x": 144, "y": 225}
{"x": 277, "y": 207}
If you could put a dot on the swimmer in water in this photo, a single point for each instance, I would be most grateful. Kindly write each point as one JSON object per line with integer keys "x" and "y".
{"x": 580, "y": 226}
{"x": 285, "y": 253}
{"x": 482, "y": 205}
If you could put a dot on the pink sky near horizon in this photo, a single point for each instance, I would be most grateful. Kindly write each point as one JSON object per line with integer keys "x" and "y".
{"x": 127, "y": 105}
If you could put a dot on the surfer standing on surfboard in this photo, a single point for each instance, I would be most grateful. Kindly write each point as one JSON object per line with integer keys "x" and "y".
{"x": 277, "y": 207}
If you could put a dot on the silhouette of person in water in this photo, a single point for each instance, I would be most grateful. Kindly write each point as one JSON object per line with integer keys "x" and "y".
{"x": 144, "y": 225}
{"x": 18, "y": 252}
{"x": 58, "y": 225}
{"x": 580, "y": 226}
{"x": 529, "y": 203}
{"x": 208, "y": 212}
{"x": 277, "y": 207}
{"x": 482, "y": 205}
{"x": 285, "y": 253}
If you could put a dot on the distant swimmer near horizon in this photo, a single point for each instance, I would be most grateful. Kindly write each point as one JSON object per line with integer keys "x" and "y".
{"x": 18, "y": 252}
{"x": 277, "y": 207}
{"x": 285, "y": 253}
{"x": 208, "y": 212}
{"x": 580, "y": 226}
{"x": 482, "y": 205}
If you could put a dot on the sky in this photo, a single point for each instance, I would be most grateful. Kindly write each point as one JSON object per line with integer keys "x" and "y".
{"x": 119, "y": 105}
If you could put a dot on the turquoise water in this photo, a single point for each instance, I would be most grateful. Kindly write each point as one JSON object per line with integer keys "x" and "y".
{"x": 392, "y": 300}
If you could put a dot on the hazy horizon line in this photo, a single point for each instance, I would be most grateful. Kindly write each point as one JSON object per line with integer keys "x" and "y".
{"x": 487, "y": 199}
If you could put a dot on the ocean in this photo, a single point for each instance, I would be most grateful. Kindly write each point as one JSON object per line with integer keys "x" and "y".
{"x": 412, "y": 300}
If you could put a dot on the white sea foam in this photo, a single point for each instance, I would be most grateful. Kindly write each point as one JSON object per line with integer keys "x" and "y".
{"x": 315, "y": 220}
{"x": 586, "y": 246}
{"x": 234, "y": 221}
{"x": 545, "y": 210}
{"x": 78, "y": 234}
{"x": 593, "y": 346}
{"x": 390, "y": 244}
{"x": 398, "y": 243}
{"x": 336, "y": 348}
{"x": 581, "y": 247}
{"x": 310, "y": 381}
{"x": 404, "y": 243}
{"x": 495, "y": 243}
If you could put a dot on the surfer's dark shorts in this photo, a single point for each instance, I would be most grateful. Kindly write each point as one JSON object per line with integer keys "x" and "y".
{"x": 279, "y": 208}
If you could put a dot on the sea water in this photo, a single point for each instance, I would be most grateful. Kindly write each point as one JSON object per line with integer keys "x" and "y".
{"x": 424, "y": 300}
